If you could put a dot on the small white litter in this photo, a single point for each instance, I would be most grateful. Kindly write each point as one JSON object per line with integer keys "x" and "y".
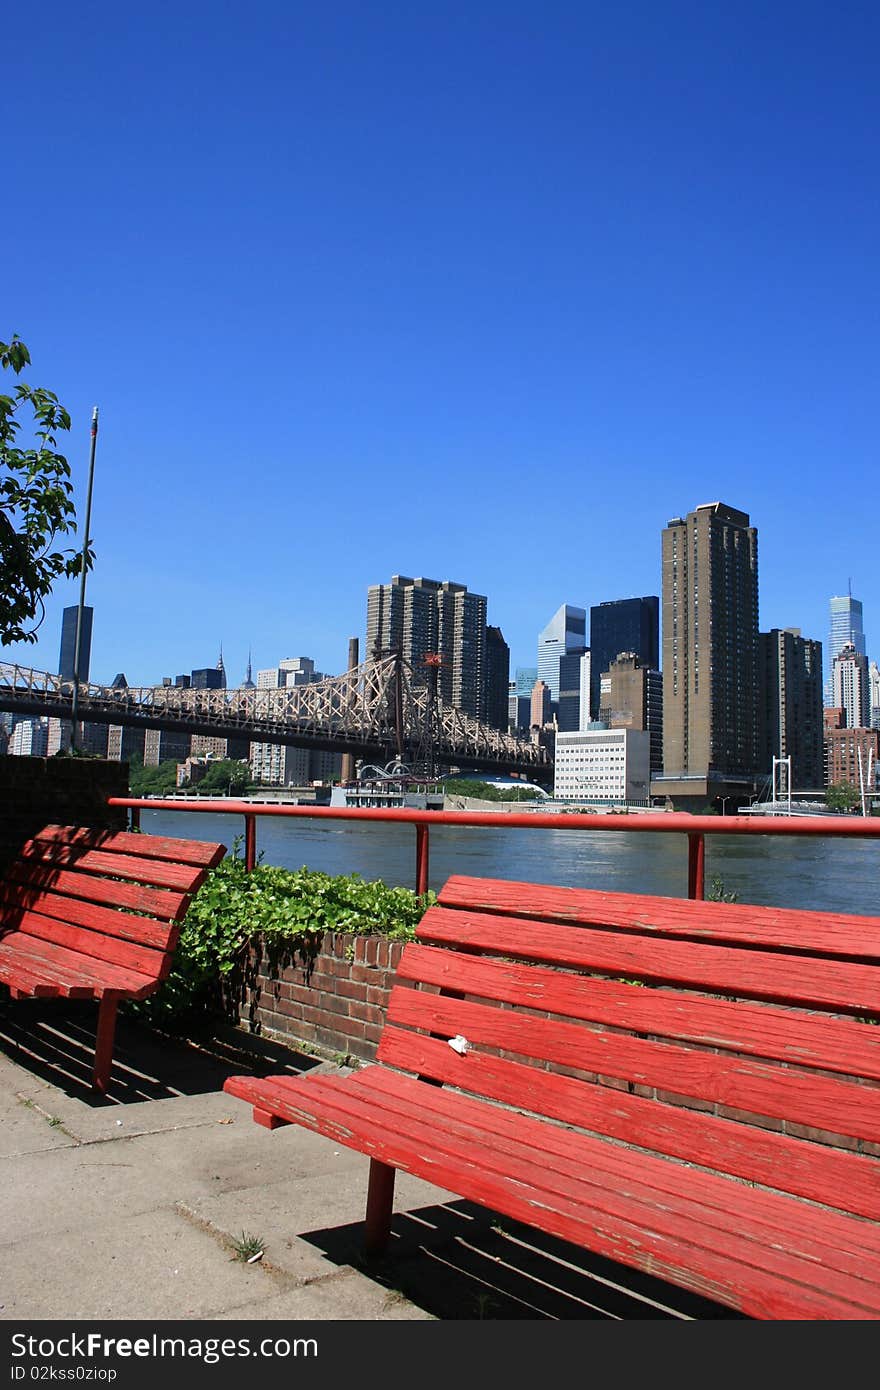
{"x": 253, "y": 1259}
{"x": 459, "y": 1044}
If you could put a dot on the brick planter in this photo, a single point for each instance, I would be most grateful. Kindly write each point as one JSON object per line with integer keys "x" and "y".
{"x": 336, "y": 1000}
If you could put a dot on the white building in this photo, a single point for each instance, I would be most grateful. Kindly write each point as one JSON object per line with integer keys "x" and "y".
{"x": 874, "y": 694}
{"x": 607, "y": 766}
{"x": 29, "y": 738}
{"x": 586, "y": 668}
{"x": 849, "y": 683}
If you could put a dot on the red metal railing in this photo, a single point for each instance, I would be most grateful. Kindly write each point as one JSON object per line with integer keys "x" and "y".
{"x": 666, "y": 822}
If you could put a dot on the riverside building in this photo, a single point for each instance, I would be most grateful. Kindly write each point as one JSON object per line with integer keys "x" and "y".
{"x": 603, "y": 766}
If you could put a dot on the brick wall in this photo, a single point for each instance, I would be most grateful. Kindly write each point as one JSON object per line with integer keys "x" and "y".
{"x": 337, "y": 1000}
{"x": 65, "y": 791}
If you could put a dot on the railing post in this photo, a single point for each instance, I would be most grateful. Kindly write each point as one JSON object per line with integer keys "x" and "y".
{"x": 250, "y": 842}
{"x": 135, "y": 814}
{"x": 696, "y": 865}
{"x": 421, "y": 859}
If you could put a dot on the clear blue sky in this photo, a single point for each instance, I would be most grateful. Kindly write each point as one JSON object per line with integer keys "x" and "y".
{"x": 480, "y": 291}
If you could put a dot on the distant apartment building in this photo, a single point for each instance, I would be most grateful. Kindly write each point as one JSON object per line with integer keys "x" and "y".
{"x": 422, "y": 617}
{"x": 790, "y": 704}
{"x": 518, "y": 709}
{"x": 710, "y": 654}
{"x": 124, "y": 743}
{"x": 497, "y": 678}
{"x": 93, "y": 740}
{"x": 622, "y": 625}
{"x": 604, "y": 766}
{"x": 540, "y": 707}
{"x": 851, "y": 754}
{"x": 631, "y": 697}
{"x": 164, "y": 745}
{"x": 850, "y": 688}
{"x": 29, "y": 738}
{"x": 277, "y": 765}
{"x": 874, "y": 694}
{"x": 564, "y": 635}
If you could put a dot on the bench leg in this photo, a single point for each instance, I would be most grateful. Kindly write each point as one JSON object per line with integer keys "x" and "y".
{"x": 104, "y": 1044}
{"x": 380, "y": 1200}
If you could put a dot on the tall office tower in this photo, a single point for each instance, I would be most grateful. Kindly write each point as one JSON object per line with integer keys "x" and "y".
{"x": 874, "y": 694}
{"x": 586, "y": 667}
{"x": 248, "y": 682}
{"x": 849, "y": 686}
{"x": 846, "y": 625}
{"x": 208, "y": 678}
{"x": 623, "y": 625}
{"x": 564, "y": 635}
{"x": 68, "y": 644}
{"x": 421, "y": 616}
{"x": 790, "y": 719}
{"x": 525, "y": 680}
{"x": 540, "y": 706}
{"x": 568, "y": 707}
{"x": 710, "y": 647}
{"x": 634, "y": 700}
{"x": 497, "y": 678}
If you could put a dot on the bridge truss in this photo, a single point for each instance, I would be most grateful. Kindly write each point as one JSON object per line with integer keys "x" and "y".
{"x": 376, "y": 710}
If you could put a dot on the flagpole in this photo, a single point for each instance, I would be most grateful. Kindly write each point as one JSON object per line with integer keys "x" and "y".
{"x": 74, "y": 708}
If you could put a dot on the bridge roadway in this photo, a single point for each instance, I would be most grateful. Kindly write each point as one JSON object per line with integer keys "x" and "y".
{"x": 376, "y": 711}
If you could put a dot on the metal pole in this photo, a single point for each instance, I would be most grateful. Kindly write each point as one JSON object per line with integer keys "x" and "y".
{"x": 74, "y": 707}
{"x": 696, "y": 866}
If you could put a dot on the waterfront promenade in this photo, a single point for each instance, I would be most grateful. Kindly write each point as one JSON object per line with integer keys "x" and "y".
{"x": 128, "y": 1209}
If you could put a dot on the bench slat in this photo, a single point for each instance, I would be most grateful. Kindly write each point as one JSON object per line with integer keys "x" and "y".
{"x": 195, "y": 852}
{"x": 162, "y": 903}
{"x": 72, "y": 968}
{"x": 93, "y": 944}
{"x": 763, "y": 1030}
{"x": 643, "y": 1234}
{"x": 157, "y": 872}
{"x": 17, "y": 898}
{"x": 839, "y": 1240}
{"x": 840, "y": 1107}
{"x": 826, "y": 933}
{"x": 758, "y": 974}
{"x": 843, "y": 1180}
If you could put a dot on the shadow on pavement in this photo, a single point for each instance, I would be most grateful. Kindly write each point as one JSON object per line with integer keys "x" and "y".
{"x": 458, "y": 1261}
{"x": 55, "y": 1041}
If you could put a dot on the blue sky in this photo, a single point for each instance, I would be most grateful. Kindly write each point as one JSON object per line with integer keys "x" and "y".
{"x": 479, "y": 291}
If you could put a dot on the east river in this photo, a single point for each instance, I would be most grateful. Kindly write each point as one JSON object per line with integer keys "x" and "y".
{"x": 837, "y": 875}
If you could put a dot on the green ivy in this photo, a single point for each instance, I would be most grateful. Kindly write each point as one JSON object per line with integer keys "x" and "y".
{"x": 280, "y": 912}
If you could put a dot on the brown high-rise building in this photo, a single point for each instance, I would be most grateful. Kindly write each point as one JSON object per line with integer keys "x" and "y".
{"x": 421, "y": 617}
{"x": 634, "y": 700}
{"x": 710, "y": 654}
{"x": 790, "y": 712}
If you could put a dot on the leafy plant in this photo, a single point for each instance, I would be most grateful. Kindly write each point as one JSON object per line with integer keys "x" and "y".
{"x": 36, "y": 502}
{"x": 286, "y": 912}
{"x": 246, "y": 1247}
{"x": 719, "y": 894}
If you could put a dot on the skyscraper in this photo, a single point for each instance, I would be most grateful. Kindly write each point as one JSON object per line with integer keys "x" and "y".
{"x": 850, "y": 686}
{"x": 845, "y": 628}
{"x": 497, "y": 677}
{"x": 418, "y": 617}
{"x": 710, "y": 650}
{"x": 564, "y": 635}
{"x": 66, "y": 661}
{"x": 790, "y": 710}
{"x": 622, "y": 625}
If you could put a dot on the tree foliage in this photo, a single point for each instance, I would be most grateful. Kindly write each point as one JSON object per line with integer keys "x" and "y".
{"x": 842, "y": 796}
{"x": 36, "y": 501}
{"x": 225, "y": 776}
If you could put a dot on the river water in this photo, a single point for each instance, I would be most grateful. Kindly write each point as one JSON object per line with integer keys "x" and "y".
{"x": 840, "y": 875}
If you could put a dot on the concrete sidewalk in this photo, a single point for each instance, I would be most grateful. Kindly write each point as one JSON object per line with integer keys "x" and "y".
{"x": 130, "y": 1207}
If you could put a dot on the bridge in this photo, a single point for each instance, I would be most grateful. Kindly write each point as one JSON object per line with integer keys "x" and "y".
{"x": 378, "y": 710}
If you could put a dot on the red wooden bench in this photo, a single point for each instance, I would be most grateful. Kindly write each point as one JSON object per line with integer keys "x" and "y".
{"x": 688, "y": 1088}
{"x": 96, "y": 914}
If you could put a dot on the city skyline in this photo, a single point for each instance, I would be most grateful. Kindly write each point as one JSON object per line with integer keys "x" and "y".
{"x": 452, "y": 293}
